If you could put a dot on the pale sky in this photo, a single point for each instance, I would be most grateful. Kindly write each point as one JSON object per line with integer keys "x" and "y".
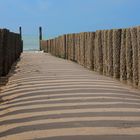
{"x": 68, "y": 16}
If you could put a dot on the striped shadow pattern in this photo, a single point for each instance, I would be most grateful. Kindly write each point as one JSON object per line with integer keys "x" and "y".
{"x": 48, "y": 98}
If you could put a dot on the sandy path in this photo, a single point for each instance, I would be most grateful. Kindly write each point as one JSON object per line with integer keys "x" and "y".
{"x": 48, "y": 98}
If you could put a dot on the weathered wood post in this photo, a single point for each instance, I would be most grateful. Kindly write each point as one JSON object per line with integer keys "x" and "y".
{"x": 20, "y": 32}
{"x": 40, "y": 36}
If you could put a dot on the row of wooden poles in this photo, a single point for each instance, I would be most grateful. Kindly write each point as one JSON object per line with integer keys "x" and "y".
{"x": 114, "y": 53}
{"x": 11, "y": 46}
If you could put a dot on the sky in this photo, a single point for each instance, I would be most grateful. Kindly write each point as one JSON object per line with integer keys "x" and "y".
{"x": 67, "y": 16}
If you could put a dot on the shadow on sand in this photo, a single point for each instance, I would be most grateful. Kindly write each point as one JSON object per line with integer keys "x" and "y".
{"x": 4, "y": 79}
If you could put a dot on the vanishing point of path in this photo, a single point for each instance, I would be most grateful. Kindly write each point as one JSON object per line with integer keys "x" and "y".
{"x": 48, "y": 98}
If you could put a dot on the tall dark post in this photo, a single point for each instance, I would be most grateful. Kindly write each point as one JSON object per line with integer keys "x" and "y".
{"x": 40, "y": 36}
{"x": 20, "y": 32}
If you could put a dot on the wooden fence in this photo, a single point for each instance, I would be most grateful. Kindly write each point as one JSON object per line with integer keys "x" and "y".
{"x": 114, "y": 53}
{"x": 11, "y": 46}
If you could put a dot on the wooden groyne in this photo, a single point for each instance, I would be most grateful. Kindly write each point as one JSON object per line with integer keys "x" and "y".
{"x": 11, "y": 46}
{"x": 114, "y": 53}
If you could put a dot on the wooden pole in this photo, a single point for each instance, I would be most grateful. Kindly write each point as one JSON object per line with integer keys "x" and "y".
{"x": 40, "y": 33}
{"x": 40, "y": 36}
{"x": 20, "y": 31}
